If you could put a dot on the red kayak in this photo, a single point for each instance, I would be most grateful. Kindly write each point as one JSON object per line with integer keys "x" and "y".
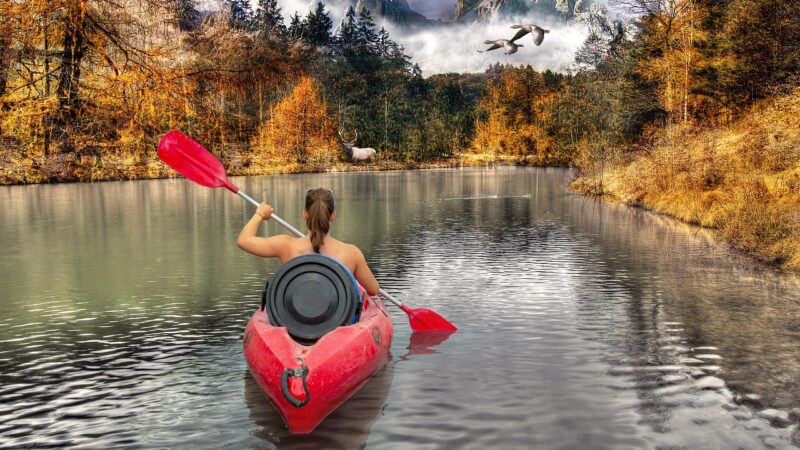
{"x": 305, "y": 383}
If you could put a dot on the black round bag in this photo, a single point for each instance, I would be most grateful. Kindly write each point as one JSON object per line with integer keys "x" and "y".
{"x": 311, "y": 295}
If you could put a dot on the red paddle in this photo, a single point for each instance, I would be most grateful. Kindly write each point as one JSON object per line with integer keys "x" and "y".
{"x": 196, "y": 163}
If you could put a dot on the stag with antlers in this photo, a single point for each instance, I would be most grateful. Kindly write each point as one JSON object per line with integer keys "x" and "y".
{"x": 356, "y": 153}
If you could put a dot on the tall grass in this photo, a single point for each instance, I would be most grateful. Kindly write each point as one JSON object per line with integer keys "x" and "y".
{"x": 743, "y": 179}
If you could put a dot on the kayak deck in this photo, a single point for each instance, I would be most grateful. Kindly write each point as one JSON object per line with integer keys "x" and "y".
{"x": 306, "y": 383}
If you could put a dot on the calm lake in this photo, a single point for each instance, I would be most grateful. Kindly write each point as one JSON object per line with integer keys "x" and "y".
{"x": 582, "y": 324}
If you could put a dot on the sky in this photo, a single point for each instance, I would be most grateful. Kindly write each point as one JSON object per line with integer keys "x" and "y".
{"x": 454, "y": 48}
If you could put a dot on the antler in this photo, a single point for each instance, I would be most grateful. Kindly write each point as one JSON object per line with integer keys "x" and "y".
{"x": 341, "y": 136}
{"x": 345, "y": 140}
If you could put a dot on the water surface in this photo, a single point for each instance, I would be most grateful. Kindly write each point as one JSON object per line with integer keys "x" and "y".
{"x": 582, "y": 324}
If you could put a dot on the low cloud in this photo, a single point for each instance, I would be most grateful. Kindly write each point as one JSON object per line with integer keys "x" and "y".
{"x": 454, "y": 47}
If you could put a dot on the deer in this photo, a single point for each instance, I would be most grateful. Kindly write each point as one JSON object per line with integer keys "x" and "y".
{"x": 356, "y": 153}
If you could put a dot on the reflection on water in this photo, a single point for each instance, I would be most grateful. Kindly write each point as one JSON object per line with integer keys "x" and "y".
{"x": 581, "y": 324}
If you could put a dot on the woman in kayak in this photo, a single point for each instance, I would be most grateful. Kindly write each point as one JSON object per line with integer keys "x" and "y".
{"x": 318, "y": 214}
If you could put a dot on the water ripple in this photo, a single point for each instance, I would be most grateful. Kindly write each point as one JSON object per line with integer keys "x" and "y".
{"x": 582, "y": 324}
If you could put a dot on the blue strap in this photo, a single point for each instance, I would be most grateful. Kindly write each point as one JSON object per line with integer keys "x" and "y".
{"x": 359, "y": 298}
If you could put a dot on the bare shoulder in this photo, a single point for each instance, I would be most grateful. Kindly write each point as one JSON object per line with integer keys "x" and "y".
{"x": 283, "y": 238}
{"x": 288, "y": 246}
{"x": 355, "y": 251}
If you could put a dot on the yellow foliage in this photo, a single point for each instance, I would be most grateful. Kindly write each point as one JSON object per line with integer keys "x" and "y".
{"x": 515, "y": 107}
{"x": 743, "y": 180}
{"x": 675, "y": 33}
{"x": 299, "y": 128}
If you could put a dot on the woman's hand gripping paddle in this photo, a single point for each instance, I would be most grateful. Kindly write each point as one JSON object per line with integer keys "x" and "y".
{"x": 194, "y": 162}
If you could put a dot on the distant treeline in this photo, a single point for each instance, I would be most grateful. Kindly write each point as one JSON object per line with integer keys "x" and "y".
{"x": 87, "y": 87}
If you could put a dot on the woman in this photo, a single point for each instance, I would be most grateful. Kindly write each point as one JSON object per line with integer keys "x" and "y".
{"x": 319, "y": 214}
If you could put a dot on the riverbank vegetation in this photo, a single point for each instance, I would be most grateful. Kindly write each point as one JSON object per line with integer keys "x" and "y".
{"x": 687, "y": 107}
{"x": 703, "y": 119}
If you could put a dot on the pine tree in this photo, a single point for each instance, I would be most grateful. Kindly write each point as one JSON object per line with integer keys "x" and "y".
{"x": 296, "y": 27}
{"x": 317, "y": 27}
{"x": 346, "y": 37}
{"x": 366, "y": 36}
{"x": 241, "y": 14}
{"x": 186, "y": 14}
{"x": 268, "y": 18}
{"x": 385, "y": 45}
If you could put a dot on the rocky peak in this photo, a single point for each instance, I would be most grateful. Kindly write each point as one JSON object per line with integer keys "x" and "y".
{"x": 397, "y": 11}
{"x": 485, "y": 10}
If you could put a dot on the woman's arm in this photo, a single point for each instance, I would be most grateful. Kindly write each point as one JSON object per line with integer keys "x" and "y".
{"x": 259, "y": 246}
{"x": 364, "y": 275}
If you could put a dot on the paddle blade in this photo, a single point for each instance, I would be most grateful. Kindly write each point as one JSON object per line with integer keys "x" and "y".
{"x": 193, "y": 161}
{"x": 422, "y": 319}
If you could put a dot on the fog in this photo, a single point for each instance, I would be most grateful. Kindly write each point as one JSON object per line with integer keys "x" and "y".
{"x": 454, "y": 47}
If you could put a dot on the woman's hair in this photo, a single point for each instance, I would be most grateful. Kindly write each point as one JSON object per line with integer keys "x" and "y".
{"x": 319, "y": 205}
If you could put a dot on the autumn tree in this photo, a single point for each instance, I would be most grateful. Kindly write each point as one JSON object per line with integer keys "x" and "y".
{"x": 753, "y": 52}
{"x": 670, "y": 32}
{"x": 299, "y": 128}
{"x": 513, "y": 115}
{"x": 72, "y": 57}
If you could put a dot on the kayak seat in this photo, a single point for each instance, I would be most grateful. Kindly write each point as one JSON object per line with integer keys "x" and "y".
{"x": 311, "y": 295}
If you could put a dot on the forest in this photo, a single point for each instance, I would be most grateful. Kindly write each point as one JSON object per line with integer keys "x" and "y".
{"x": 690, "y": 110}
{"x": 88, "y": 87}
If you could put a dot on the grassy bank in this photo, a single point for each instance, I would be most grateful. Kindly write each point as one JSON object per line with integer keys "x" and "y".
{"x": 742, "y": 179}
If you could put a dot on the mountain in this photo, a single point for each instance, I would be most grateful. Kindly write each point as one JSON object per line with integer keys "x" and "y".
{"x": 466, "y": 11}
{"x": 484, "y": 10}
{"x": 397, "y": 11}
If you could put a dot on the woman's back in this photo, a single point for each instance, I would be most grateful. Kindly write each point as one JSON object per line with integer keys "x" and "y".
{"x": 319, "y": 213}
{"x": 347, "y": 254}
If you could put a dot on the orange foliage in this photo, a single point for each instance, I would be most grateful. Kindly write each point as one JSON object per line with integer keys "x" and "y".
{"x": 299, "y": 128}
{"x": 516, "y": 109}
{"x": 673, "y": 35}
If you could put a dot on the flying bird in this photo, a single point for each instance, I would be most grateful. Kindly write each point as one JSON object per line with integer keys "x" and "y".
{"x": 537, "y": 32}
{"x": 511, "y": 45}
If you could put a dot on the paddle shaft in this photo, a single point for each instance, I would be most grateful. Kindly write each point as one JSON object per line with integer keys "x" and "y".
{"x": 297, "y": 233}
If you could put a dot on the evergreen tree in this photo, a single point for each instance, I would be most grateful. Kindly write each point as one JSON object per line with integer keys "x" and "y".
{"x": 186, "y": 14}
{"x": 268, "y": 18}
{"x": 386, "y": 47}
{"x": 366, "y": 36}
{"x": 296, "y": 27}
{"x": 241, "y": 14}
{"x": 346, "y": 37}
{"x": 317, "y": 27}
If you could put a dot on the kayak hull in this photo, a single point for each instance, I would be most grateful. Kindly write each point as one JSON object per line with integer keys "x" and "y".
{"x": 305, "y": 383}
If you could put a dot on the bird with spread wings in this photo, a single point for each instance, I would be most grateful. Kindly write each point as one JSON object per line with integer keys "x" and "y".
{"x": 535, "y": 31}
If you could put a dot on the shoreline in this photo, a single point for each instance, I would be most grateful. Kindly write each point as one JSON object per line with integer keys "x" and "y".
{"x": 154, "y": 169}
{"x": 717, "y": 234}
